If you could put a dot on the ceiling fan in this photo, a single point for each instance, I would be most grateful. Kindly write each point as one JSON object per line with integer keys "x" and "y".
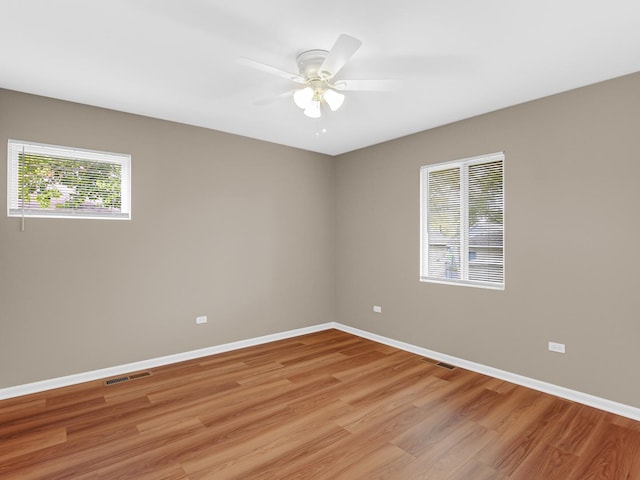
{"x": 316, "y": 77}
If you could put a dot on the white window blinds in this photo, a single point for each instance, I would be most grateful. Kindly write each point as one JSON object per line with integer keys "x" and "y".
{"x": 463, "y": 222}
{"x": 56, "y": 181}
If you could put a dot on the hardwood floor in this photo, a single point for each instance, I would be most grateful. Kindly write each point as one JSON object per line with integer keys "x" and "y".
{"x": 323, "y": 406}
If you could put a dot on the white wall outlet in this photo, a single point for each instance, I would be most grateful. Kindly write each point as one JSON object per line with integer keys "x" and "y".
{"x": 377, "y": 308}
{"x": 202, "y": 319}
{"x": 556, "y": 347}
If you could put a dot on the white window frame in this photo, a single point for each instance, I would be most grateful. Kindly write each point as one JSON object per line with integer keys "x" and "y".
{"x": 463, "y": 164}
{"x": 16, "y": 147}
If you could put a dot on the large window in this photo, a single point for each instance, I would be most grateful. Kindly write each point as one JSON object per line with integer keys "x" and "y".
{"x": 55, "y": 181}
{"x": 462, "y": 222}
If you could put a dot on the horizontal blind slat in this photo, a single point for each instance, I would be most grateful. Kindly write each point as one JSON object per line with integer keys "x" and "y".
{"x": 480, "y": 182}
{"x": 48, "y": 180}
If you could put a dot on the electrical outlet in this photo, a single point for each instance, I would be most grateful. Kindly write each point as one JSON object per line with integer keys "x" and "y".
{"x": 556, "y": 347}
{"x": 202, "y": 319}
{"x": 377, "y": 308}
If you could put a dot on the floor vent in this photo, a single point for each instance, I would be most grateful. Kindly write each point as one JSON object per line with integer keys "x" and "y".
{"x": 445, "y": 365}
{"x": 437, "y": 363}
{"x": 126, "y": 378}
{"x": 429, "y": 360}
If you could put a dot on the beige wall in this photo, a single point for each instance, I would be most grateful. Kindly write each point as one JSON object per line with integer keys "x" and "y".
{"x": 572, "y": 252}
{"x": 248, "y": 237}
{"x": 236, "y": 229}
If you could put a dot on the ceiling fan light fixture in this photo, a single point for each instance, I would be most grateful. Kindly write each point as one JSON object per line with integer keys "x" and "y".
{"x": 333, "y": 99}
{"x": 303, "y": 97}
{"x": 313, "y": 110}
{"x": 316, "y": 77}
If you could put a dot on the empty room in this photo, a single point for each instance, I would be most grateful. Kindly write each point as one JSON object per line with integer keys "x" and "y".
{"x": 340, "y": 240}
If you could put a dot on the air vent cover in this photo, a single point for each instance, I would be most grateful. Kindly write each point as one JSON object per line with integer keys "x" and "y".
{"x": 445, "y": 365}
{"x": 438, "y": 364}
{"x": 126, "y": 378}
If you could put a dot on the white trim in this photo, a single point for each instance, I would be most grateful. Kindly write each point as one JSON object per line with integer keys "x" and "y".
{"x": 562, "y": 392}
{"x": 558, "y": 391}
{"x": 475, "y": 160}
{"x": 68, "y": 380}
{"x": 463, "y": 283}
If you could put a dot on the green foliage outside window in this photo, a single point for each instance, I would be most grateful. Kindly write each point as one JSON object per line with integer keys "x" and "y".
{"x": 77, "y": 183}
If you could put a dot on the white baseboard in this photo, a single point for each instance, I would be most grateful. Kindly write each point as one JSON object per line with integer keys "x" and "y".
{"x": 558, "y": 391}
{"x": 43, "y": 385}
{"x": 562, "y": 392}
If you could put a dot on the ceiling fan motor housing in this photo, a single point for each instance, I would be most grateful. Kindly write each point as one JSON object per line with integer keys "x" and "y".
{"x": 309, "y": 63}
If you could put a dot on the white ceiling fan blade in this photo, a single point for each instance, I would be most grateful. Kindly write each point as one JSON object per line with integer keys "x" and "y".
{"x": 273, "y": 98}
{"x": 247, "y": 62}
{"x": 368, "y": 85}
{"x": 340, "y": 53}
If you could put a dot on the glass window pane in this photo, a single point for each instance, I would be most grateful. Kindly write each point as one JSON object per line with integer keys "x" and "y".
{"x": 444, "y": 223}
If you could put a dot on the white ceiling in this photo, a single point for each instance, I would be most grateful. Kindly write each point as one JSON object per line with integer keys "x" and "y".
{"x": 176, "y": 59}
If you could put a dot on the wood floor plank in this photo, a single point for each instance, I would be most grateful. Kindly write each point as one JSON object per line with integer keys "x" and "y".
{"x": 438, "y": 424}
{"x": 376, "y": 463}
{"x": 291, "y": 370}
{"x": 19, "y": 411}
{"x": 612, "y": 454}
{"x": 182, "y": 378}
{"x": 546, "y": 462}
{"x": 32, "y": 442}
{"x": 333, "y": 365}
{"x": 381, "y": 406}
{"x": 332, "y": 462}
{"x": 580, "y": 428}
{"x": 48, "y": 418}
{"x": 231, "y": 459}
{"x": 436, "y": 461}
{"x": 139, "y": 471}
{"x": 475, "y": 470}
{"x": 505, "y": 455}
{"x": 322, "y": 406}
{"x": 515, "y": 405}
{"x": 385, "y": 366}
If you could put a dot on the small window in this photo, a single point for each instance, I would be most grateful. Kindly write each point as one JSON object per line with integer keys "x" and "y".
{"x": 462, "y": 222}
{"x": 65, "y": 182}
